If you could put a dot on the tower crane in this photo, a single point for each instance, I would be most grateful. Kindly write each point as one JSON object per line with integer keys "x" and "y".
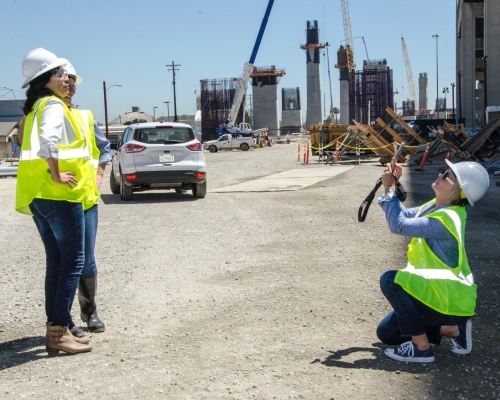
{"x": 411, "y": 83}
{"x": 346, "y": 19}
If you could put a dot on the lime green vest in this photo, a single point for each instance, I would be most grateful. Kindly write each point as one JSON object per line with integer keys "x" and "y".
{"x": 86, "y": 121}
{"x": 447, "y": 289}
{"x": 33, "y": 177}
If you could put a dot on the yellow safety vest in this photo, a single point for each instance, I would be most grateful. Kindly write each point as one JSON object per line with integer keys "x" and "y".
{"x": 447, "y": 289}
{"x": 86, "y": 121}
{"x": 33, "y": 177}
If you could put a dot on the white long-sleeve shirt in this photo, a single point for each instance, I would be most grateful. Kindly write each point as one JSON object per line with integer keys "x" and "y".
{"x": 55, "y": 130}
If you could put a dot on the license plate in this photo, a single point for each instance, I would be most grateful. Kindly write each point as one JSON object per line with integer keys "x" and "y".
{"x": 166, "y": 158}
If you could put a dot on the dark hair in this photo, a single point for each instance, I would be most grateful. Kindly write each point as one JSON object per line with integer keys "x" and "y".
{"x": 37, "y": 90}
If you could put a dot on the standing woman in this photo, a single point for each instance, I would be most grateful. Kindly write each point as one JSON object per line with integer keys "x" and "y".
{"x": 55, "y": 184}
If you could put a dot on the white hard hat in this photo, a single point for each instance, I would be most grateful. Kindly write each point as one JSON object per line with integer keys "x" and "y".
{"x": 472, "y": 178}
{"x": 37, "y": 62}
{"x": 72, "y": 72}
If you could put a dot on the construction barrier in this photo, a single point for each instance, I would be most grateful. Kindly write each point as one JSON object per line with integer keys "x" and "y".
{"x": 305, "y": 149}
{"x": 337, "y": 153}
{"x": 424, "y": 158}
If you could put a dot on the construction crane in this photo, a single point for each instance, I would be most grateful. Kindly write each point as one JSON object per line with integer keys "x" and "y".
{"x": 346, "y": 18}
{"x": 243, "y": 80}
{"x": 411, "y": 83}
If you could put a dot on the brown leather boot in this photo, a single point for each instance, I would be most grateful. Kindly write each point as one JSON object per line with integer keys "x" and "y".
{"x": 83, "y": 340}
{"x": 61, "y": 339}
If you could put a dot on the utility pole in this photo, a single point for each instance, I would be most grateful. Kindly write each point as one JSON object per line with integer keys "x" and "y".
{"x": 173, "y": 69}
{"x": 437, "y": 76}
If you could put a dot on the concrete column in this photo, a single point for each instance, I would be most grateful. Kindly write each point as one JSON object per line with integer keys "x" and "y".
{"x": 314, "y": 114}
{"x": 466, "y": 64}
{"x": 422, "y": 91}
{"x": 344, "y": 103}
{"x": 291, "y": 118}
{"x": 265, "y": 107}
{"x": 492, "y": 50}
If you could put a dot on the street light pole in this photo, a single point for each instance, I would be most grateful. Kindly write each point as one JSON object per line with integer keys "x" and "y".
{"x": 445, "y": 91}
{"x": 154, "y": 113}
{"x": 453, "y": 100}
{"x": 168, "y": 110}
{"x": 106, "y": 105}
{"x": 437, "y": 76}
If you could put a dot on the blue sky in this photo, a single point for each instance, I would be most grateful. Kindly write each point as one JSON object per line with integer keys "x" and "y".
{"x": 130, "y": 43}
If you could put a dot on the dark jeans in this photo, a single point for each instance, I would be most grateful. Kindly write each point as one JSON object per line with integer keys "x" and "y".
{"x": 61, "y": 226}
{"x": 91, "y": 218}
{"x": 410, "y": 317}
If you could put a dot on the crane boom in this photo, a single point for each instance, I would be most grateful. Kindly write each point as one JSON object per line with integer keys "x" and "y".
{"x": 411, "y": 83}
{"x": 346, "y": 18}
{"x": 247, "y": 70}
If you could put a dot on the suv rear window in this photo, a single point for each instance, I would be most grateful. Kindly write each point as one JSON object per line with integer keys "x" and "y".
{"x": 164, "y": 135}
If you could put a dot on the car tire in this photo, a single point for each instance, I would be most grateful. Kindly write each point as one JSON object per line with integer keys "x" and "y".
{"x": 126, "y": 192}
{"x": 115, "y": 187}
{"x": 244, "y": 146}
{"x": 200, "y": 190}
{"x": 213, "y": 149}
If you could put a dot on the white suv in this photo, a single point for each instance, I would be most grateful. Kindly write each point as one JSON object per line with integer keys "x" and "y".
{"x": 163, "y": 155}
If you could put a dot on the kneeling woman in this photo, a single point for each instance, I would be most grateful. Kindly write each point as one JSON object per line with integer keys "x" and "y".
{"x": 435, "y": 294}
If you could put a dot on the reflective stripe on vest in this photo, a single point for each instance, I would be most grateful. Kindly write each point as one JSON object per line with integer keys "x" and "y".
{"x": 447, "y": 289}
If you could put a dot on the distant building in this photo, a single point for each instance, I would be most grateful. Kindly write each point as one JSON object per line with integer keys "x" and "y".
{"x": 11, "y": 110}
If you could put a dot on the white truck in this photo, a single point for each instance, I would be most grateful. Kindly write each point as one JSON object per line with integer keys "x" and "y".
{"x": 227, "y": 141}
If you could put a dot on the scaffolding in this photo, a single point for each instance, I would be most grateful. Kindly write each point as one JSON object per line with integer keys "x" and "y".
{"x": 216, "y": 99}
{"x": 270, "y": 75}
{"x": 370, "y": 91}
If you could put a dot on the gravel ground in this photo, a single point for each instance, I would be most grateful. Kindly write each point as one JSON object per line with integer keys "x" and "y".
{"x": 268, "y": 295}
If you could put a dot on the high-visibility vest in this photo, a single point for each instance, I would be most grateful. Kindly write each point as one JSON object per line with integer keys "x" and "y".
{"x": 33, "y": 176}
{"x": 447, "y": 289}
{"x": 86, "y": 121}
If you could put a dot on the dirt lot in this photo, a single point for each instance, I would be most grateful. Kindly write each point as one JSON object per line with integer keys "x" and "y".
{"x": 248, "y": 295}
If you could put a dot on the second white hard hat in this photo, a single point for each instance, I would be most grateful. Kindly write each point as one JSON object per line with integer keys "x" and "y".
{"x": 472, "y": 178}
{"x": 37, "y": 62}
{"x": 72, "y": 72}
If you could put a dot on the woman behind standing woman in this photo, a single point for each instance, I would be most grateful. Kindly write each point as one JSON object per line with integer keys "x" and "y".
{"x": 55, "y": 184}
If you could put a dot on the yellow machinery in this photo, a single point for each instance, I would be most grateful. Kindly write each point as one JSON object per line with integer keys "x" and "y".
{"x": 330, "y": 134}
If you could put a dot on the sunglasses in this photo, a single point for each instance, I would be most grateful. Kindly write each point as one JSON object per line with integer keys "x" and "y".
{"x": 445, "y": 176}
{"x": 59, "y": 73}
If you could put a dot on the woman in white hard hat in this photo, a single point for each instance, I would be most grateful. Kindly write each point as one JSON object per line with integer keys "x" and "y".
{"x": 435, "y": 294}
{"x": 55, "y": 185}
{"x": 100, "y": 156}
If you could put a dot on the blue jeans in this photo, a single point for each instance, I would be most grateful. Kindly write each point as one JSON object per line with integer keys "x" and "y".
{"x": 410, "y": 317}
{"x": 91, "y": 219}
{"x": 61, "y": 226}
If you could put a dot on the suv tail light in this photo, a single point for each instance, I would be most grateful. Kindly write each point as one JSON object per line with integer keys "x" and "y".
{"x": 133, "y": 148}
{"x": 195, "y": 147}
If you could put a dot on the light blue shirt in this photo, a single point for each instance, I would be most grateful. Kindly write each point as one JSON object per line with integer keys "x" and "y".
{"x": 404, "y": 221}
{"x": 102, "y": 144}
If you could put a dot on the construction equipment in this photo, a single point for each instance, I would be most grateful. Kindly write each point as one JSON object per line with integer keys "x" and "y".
{"x": 409, "y": 73}
{"x": 229, "y": 126}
